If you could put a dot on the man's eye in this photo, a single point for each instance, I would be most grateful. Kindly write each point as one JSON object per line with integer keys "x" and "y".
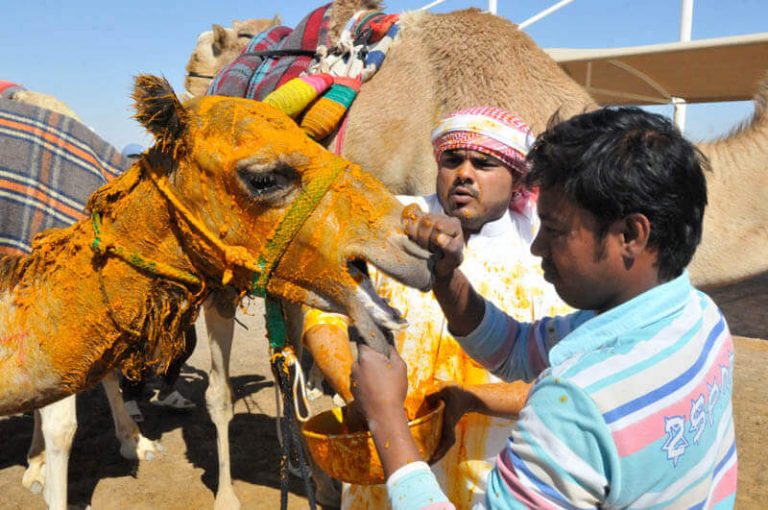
{"x": 452, "y": 161}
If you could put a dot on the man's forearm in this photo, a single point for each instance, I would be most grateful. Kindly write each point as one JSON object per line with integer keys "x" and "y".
{"x": 394, "y": 442}
{"x": 503, "y": 400}
{"x": 462, "y": 305}
{"x": 329, "y": 346}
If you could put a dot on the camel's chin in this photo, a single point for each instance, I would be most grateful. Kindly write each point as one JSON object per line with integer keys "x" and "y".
{"x": 373, "y": 318}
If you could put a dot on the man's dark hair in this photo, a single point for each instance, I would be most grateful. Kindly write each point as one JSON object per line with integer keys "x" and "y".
{"x": 618, "y": 161}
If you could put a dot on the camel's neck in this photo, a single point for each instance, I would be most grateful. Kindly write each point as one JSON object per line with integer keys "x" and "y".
{"x": 68, "y": 315}
{"x": 734, "y": 239}
{"x": 741, "y": 147}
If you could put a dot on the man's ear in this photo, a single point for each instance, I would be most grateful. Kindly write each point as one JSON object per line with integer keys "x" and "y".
{"x": 636, "y": 233}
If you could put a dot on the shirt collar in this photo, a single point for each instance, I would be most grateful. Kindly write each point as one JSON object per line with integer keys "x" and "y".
{"x": 647, "y": 308}
{"x": 497, "y": 227}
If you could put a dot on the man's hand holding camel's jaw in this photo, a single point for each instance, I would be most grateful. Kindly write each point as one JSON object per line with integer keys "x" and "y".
{"x": 442, "y": 235}
{"x": 379, "y": 383}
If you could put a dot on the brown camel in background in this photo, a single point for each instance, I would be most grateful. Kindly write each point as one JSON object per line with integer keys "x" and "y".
{"x": 425, "y": 75}
{"x": 217, "y": 47}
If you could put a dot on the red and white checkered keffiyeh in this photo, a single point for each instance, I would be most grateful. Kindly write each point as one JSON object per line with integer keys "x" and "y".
{"x": 492, "y": 131}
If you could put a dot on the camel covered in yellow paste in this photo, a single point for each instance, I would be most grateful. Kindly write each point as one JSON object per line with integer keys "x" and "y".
{"x": 203, "y": 209}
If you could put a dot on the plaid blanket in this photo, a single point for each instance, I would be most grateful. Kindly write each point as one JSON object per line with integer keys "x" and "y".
{"x": 254, "y": 76}
{"x": 49, "y": 166}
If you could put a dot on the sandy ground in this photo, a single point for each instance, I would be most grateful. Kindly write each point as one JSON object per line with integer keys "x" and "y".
{"x": 185, "y": 475}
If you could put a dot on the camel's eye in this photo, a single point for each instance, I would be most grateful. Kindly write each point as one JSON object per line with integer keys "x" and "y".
{"x": 262, "y": 183}
{"x": 267, "y": 184}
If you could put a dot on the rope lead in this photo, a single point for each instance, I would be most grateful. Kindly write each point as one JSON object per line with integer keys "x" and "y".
{"x": 285, "y": 369}
{"x": 287, "y": 372}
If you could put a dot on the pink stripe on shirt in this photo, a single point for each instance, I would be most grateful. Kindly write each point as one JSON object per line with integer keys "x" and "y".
{"x": 726, "y": 486}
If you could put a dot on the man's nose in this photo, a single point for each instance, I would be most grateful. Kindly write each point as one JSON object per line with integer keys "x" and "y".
{"x": 466, "y": 171}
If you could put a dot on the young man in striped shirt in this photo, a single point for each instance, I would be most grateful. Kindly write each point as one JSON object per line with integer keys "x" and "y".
{"x": 631, "y": 405}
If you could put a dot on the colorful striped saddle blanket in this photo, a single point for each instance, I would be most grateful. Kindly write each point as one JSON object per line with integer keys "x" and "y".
{"x": 301, "y": 73}
{"x": 49, "y": 166}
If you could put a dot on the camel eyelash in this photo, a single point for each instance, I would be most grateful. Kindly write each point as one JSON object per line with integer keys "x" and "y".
{"x": 266, "y": 182}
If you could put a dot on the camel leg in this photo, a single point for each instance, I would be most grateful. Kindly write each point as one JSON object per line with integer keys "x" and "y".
{"x": 34, "y": 476}
{"x": 219, "y": 320}
{"x": 59, "y": 423}
{"x": 133, "y": 445}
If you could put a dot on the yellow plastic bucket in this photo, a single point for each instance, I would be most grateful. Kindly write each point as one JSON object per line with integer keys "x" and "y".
{"x": 350, "y": 455}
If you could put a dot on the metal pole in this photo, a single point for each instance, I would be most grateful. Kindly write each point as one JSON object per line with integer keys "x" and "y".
{"x": 492, "y": 7}
{"x": 546, "y": 12}
{"x": 431, "y": 4}
{"x": 686, "y": 26}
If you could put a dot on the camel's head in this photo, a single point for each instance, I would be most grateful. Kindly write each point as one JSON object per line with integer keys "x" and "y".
{"x": 272, "y": 197}
{"x": 217, "y": 48}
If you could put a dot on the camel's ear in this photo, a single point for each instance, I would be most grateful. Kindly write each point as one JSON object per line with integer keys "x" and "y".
{"x": 276, "y": 20}
{"x": 160, "y": 111}
{"x": 220, "y": 38}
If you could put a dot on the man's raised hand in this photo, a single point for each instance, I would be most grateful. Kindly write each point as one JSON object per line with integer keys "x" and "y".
{"x": 440, "y": 234}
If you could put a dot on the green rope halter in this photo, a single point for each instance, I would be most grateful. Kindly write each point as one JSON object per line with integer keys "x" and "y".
{"x": 286, "y": 230}
{"x": 278, "y": 242}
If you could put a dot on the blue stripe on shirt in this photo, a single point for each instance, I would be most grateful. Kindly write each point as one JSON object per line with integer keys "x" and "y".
{"x": 542, "y": 487}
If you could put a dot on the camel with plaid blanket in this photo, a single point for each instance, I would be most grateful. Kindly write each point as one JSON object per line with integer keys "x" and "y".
{"x": 51, "y": 164}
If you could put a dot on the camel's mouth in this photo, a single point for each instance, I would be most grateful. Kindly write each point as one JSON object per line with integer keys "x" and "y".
{"x": 397, "y": 258}
{"x": 372, "y": 315}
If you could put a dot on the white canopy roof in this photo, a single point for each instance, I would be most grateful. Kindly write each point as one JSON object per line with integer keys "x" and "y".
{"x": 705, "y": 70}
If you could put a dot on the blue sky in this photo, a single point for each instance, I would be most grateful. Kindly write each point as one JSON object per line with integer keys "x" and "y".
{"x": 86, "y": 52}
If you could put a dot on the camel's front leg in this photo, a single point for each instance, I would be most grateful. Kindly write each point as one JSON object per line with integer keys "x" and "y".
{"x": 133, "y": 445}
{"x": 219, "y": 320}
{"x": 34, "y": 476}
{"x": 59, "y": 423}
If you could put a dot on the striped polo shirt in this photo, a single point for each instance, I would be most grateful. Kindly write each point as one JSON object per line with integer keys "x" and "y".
{"x": 630, "y": 409}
